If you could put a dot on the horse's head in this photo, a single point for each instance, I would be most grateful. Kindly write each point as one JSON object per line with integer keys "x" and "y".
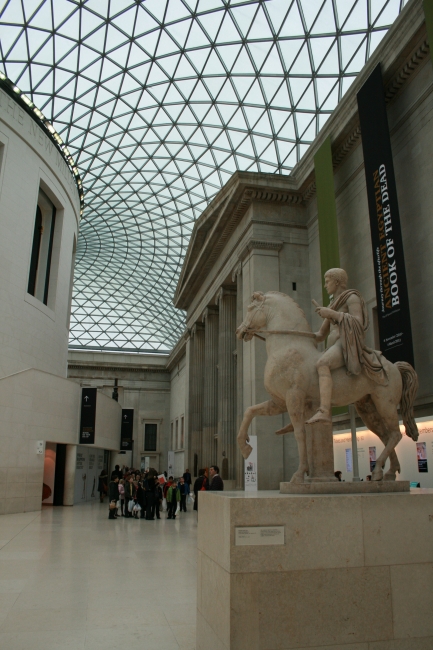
{"x": 255, "y": 318}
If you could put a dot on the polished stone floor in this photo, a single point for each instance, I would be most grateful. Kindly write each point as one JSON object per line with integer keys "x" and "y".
{"x": 71, "y": 578}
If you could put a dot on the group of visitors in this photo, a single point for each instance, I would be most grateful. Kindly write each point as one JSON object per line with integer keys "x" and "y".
{"x": 207, "y": 480}
{"x": 138, "y": 494}
{"x": 144, "y": 495}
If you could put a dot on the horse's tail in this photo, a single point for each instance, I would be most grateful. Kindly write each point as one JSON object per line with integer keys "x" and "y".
{"x": 410, "y": 388}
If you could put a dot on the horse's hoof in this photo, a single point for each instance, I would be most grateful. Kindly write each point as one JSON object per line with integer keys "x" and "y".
{"x": 246, "y": 451}
{"x": 297, "y": 478}
{"x": 288, "y": 429}
{"x": 377, "y": 476}
{"x": 389, "y": 477}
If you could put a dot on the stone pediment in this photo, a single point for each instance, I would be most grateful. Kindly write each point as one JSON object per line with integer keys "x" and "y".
{"x": 215, "y": 226}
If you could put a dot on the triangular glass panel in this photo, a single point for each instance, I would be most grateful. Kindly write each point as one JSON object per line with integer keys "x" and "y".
{"x": 293, "y": 25}
{"x": 325, "y": 23}
{"x": 260, "y": 29}
{"x": 388, "y": 15}
{"x": 228, "y": 54}
{"x": 179, "y": 31}
{"x": 196, "y": 37}
{"x": 259, "y": 52}
{"x": 243, "y": 63}
{"x": 349, "y": 44}
{"x": 358, "y": 19}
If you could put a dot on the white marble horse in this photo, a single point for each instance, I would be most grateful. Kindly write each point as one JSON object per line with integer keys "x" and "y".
{"x": 292, "y": 381}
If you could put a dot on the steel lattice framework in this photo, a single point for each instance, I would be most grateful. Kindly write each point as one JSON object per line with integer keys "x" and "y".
{"x": 159, "y": 102}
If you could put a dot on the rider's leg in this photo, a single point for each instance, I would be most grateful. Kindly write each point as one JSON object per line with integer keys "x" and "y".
{"x": 330, "y": 360}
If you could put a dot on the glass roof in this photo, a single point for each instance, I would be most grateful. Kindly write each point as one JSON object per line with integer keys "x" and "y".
{"x": 159, "y": 102}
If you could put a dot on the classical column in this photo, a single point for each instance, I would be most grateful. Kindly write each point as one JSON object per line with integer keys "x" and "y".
{"x": 197, "y": 385}
{"x": 210, "y": 400}
{"x": 226, "y": 300}
{"x": 237, "y": 277}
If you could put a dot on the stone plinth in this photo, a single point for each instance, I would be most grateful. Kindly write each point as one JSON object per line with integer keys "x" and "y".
{"x": 355, "y": 572}
{"x": 357, "y": 487}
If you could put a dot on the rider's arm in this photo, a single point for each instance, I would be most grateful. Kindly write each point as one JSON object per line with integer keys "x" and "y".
{"x": 323, "y": 332}
{"x": 355, "y": 308}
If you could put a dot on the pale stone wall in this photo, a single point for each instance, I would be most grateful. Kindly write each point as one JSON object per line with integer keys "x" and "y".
{"x": 33, "y": 335}
{"x": 38, "y": 403}
{"x": 143, "y": 385}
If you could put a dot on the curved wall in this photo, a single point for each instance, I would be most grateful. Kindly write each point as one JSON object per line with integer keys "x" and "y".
{"x": 32, "y": 334}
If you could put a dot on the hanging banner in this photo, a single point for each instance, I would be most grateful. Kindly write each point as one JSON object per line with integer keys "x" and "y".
{"x": 88, "y": 416}
{"x": 171, "y": 464}
{"x": 389, "y": 269}
{"x": 349, "y": 466}
{"x": 372, "y": 457}
{"x": 421, "y": 454}
{"x": 126, "y": 430}
{"x": 251, "y": 467}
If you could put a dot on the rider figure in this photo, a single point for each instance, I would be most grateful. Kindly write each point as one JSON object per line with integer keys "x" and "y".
{"x": 336, "y": 354}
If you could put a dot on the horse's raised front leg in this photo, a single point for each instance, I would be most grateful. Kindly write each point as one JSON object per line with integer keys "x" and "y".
{"x": 265, "y": 408}
{"x": 296, "y": 407}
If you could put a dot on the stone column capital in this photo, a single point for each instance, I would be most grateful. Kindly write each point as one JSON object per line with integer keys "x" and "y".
{"x": 224, "y": 291}
{"x": 209, "y": 311}
{"x": 196, "y": 328}
{"x": 237, "y": 271}
{"x": 261, "y": 245}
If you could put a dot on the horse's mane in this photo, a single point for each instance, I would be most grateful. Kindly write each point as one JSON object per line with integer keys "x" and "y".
{"x": 280, "y": 293}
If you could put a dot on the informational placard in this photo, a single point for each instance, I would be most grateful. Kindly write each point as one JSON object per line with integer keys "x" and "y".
{"x": 259, "y": 536}
{"x": 389, "y": 269}
{"x": 349, "y": 467}
{"x": 250, "y": 466}
{"x": 88, "y": 416}
{"x": 421, "y": 454}
{"x": 127, "y": 430}
{"x": 372, "y": 457}
{"x": 171, "y": 464}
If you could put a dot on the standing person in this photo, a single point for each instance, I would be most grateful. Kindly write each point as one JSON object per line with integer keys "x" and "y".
{"x": 217, "y": 482}
{"x": 122, "y": 496}
{"x": 150, "y": 496}
{"x": 199, "y": 486}
{"x": 113, "y": 495}
{"x": 141, "y": 497}
{"x": 158, "y": 499}
{"x": 187, "y": 478}
{"x": 116, "y": 472}
{"x": 167, "y": 486}
{"x": 102, "y": 485}
{"x": 173, "y": 498}
{"x": 184, "y": 491}
{"x": 129, "y": 494}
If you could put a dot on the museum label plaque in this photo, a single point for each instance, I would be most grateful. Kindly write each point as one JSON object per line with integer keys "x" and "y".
{"x": 259, "y": 536}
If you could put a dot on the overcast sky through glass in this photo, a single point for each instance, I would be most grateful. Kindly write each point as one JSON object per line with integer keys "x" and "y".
{"x": 159, "y": 103}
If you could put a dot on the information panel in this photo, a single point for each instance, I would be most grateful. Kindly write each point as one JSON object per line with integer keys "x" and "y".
{"x": 259, "y": 536}
{"x": 127, "y": 430}
{"x": 389, "y": 269}
{"x": 88, "y": 416}
{"x": 250, "y": 467}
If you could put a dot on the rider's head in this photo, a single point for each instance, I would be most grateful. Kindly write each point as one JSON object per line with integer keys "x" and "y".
{"x": 338, "y": 276}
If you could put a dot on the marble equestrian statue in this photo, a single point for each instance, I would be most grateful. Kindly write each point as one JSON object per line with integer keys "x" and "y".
{"x": 307, "y": 383}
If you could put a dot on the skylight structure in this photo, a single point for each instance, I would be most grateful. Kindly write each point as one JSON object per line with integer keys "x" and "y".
{"x": 159, "y": 102}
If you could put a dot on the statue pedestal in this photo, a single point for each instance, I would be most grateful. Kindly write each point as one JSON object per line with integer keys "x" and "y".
{"x": 320, "y": 452}
{"x": 341, "y": 572}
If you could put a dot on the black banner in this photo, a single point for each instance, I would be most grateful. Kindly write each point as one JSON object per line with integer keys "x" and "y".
{"x": 88, "y": 416}
{"x": 389, "y": 269}
{"x": 126, "y": 432}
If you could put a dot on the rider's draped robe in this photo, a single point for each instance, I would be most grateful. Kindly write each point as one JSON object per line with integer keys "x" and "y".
{"x": 357, "y": 356}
